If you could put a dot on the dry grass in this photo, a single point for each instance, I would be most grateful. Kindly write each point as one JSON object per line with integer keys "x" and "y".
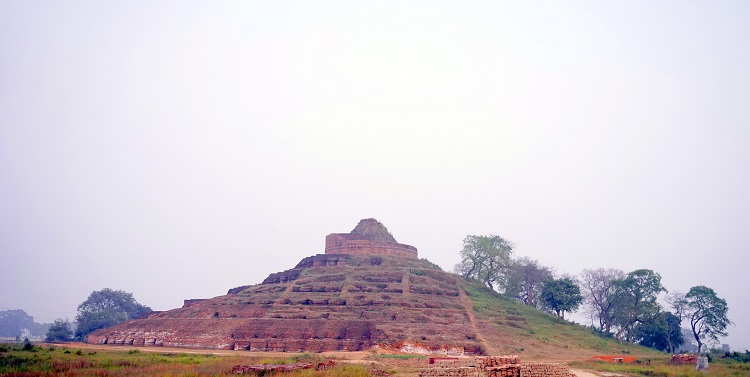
{"x": 662, "y": 368}
{"x": 51, "y": 361}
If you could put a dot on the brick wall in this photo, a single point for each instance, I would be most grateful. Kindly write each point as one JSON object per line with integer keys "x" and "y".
{"x": 337, "y": 244}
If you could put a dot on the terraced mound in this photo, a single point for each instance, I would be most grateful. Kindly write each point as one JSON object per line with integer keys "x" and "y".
{"x": 327, "y": 302}
{"x": 367, "y": 291}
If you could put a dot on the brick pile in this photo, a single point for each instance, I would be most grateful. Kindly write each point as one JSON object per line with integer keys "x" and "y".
{"x": 683, "y": 359}
{"x": 495, "y": 366}
{"x": 545, "y": 370}
{"x": 530, "y": 370}
{"x": 509, "y": 370}
{"x": 496, "y": 361}
{"x": 260, "y": 369}
{"x": 451, "y": 372}
{"x": 454, "y": 363}
{"x": 265, "y": 368}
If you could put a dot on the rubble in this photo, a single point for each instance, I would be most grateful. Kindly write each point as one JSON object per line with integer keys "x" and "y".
{"x": 494, "y": 366}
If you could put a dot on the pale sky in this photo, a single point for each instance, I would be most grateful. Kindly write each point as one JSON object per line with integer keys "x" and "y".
{"x": 178, "y": 149}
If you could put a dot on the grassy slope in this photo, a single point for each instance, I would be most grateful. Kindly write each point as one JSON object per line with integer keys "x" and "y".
{"x": 510, "y": 327}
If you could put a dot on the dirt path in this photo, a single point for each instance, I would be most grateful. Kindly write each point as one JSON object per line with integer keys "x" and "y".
{"x": 590, "y": 373}
{"x": 469, "y": 307}
{"x": 583, "y": 373}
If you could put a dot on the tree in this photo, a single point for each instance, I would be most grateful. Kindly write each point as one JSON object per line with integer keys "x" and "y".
{"x": 485, "y": 258}
{"x": 14, "y": 322}
{"x": 677, "y": 302}
{"x": 707, "y": 314}
{"x": 599, "y": 293}
{"x": 107, "y": 308}
{"x": 561, "y": 295}
{"x": 688, "y": 345}
{"x": 662, "y": 332}
{"x": 60, "y": 331}
{"x": 526, "y": 279}
{"x": 635, "y": 300}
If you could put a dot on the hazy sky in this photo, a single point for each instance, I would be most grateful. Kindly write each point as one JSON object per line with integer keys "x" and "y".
{"x": 178, "y": 149}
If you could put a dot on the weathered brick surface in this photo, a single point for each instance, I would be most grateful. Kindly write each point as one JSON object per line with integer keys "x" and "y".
{"x": 360, "y": 302}
{"x": 327, "y": 302}
{"x": 336, "y": 244}
{"x": 496, "y": 361}
{"x": 496, "y": 366}
{"x": 451, "y": 372}
{"x": 369, "y": 237}
{"x": 545, "y": 370}
{"x": 268, "y": 368}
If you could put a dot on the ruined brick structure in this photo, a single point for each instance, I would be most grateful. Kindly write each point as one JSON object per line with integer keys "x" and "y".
{"x": 367, "y": 290}
{"x": 369, "y": 237}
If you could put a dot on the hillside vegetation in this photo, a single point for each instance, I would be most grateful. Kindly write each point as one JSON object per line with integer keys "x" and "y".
{"x": 509, "y": 327}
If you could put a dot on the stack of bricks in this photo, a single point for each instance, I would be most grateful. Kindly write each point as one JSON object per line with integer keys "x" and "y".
{"x": 508, "y": 370}
{"x": 497, "y": 361}
{"x": 455, "y": 363}
{"x": 453, "y": 367}
{"x": 501, "y": 366}
{"x": 495, "y": 366}
{"x": 450, "y": 372}
{"x": 683, "y": 359}
{"x": 545, "y": 370}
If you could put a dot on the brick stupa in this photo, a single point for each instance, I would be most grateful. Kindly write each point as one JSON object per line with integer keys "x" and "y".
{"x": 365, "y": 291}
{"x": 369, "y": 237}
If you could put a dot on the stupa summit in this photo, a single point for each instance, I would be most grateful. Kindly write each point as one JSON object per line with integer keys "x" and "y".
{"x": 366, "y": 290}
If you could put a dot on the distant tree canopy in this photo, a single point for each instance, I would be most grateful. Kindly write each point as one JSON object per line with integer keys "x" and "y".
{"x": 60, "y": 331}
{"x": 561, "y": 295}
{"x": 107, "y": 308}
{"x": 13, "y": 322}
{"x": 625, "y": 304}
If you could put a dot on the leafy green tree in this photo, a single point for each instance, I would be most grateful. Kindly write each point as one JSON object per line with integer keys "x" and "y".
{"x": 635, "y": 300}
{"x": 600, "y": 294}
{"x": 707, "y": 314}
{"x": 60, "y": 331}
{"x": 561, "y": 295}
{"x": 485, "y": 258}
{"x": 107, "y": 308}
{"x": 662, "y": 332}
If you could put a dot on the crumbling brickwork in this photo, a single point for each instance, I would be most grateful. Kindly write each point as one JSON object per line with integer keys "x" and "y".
{"x": 369, "y": 237}
{"x": 496, "y": 361}
{"x": 495, "y": 366}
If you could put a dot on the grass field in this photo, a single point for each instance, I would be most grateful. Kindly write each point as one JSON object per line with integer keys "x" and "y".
{"x": 56, "y": 361}
{"x": 46, "y": 360}
{"x": 661, "y": 368}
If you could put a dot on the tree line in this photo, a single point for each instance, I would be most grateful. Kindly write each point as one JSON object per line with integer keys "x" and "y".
{"x": 625, "y": 305}
{"x": 101, "y": 309}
